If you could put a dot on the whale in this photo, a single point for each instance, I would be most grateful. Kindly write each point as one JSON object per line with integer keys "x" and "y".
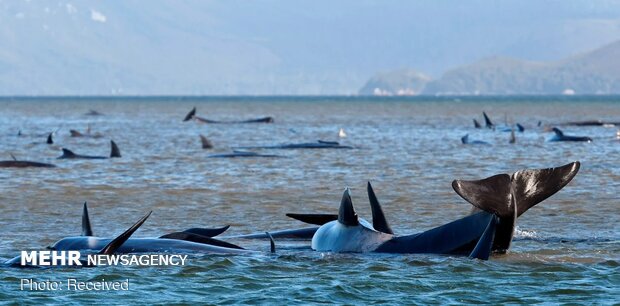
{"x": 465, "y": 140}
{"x": 559, "y": 136}
{"x": 192, "y": 115}
{"x": 23, "y": 164}
{"x": 68, "y": 154}
{"x": 190, "y": 241}
{"x": 75, "y": 133}
{"x": 497, "y": 202}
{"x": 320, "y": 144}
{"x": 243, "y": 154}
{"x": 477, "y": 124}
{"x": 593, "y": 123}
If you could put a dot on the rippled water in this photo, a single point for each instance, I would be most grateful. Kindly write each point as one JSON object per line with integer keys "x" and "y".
{"x": 566, "y": 248}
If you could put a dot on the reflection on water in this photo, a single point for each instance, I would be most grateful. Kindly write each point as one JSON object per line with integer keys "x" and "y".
{"x": 566, "y": 249}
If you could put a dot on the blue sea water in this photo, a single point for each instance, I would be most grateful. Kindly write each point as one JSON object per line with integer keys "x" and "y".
{"x": 566, "y": 249}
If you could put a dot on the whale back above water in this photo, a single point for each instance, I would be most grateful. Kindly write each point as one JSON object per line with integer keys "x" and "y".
{"x": 114, "y": 153}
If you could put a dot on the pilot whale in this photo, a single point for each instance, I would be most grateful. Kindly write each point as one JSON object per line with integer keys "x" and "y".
{"x": 320, "y": 144}
{"x": 247, "y": 154}
{"x": 68, "y": 154}
{"x": 497, "y": 200}
{"x": 559, "y": 136}
{"x": 192, "y": 115}
{"x": 465, "y": 140}
{"x": 193, "y": 241}
{"x": 23, "y": 164}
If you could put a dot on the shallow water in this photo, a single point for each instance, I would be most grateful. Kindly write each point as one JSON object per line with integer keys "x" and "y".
{"x": 565, "y": 249}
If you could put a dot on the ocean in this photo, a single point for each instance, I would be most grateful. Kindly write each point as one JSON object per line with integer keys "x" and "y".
{"x": 565, "y": 250}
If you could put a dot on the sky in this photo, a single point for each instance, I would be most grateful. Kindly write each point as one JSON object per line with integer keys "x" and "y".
{"x": 269, "y": 47}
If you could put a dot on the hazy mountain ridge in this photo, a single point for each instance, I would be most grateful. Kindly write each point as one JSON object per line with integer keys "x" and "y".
{"x": 594, "y": 72}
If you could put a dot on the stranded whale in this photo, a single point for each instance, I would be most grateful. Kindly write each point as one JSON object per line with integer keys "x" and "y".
{"x": 246, "y": 154}
{"x": 559, "y": 136}
{"x": 320, "y": 144}
{"x": 68, "y": 154}
{"x": 23, "y": 164}
{"x": 192, "y": 115}
{"x": 498, "y": 201}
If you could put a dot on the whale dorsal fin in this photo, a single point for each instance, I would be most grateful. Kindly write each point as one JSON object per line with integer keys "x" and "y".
{"x": 491, "y": 194}
{"x": 520, "y": 128}
{"x": 513, "y": 139}
{"x": 531, "y": 187}
{"x": 346, "y": 213}
{"x": 476, "y": 124}
{"x": 190, "y": 115}
{"x": 66, "y": 153}
{"x": 317, "y": 219}
{"x": 272, "y": 243}
{"x": 86, "y": 229}
{"x": 465, "y": 139}
{"x": 13, "y": 156}
{"x": 207, "y": 232}
{"x": 379, "y": 222}
{"x": 111, "y": 247}
{"x": 75, "y": 133}
{"x": 206, "y": 144}
{"x": 558, "y": 132}
{"x": 487, "y": 121}
{"x": 115, "y": 151}
{"x": 49, "y": 139}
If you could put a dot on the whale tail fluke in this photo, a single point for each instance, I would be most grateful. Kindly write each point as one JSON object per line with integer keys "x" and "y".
{"x": 66, "y": 153}
{"x": 206, "y": 143}
{"x": 346, "y": 213}
{"x": 499, "y": 194}
{"x": 117, "y": 242}
{"x": 115, "y": 151}
{"x": 86, "y": 228}
{"x": 379, "y": 222}
{"x": 190, "y": 115}
{"x": 49, "y": 139}
{"x": 533, "y": 186}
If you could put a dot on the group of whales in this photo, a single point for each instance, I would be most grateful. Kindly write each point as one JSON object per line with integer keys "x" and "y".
{"x": 558, "y": 136}
{"x": 497, "y": 203}
{"x": 242, "y": 151}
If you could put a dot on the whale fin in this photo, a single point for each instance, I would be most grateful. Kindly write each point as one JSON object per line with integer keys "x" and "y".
{"x": 520, "y": 128}
{"x": 13, "y": 156}
{"x": 272, "y": 243}
{"x": 75, "y": 133}
{"x": 487, "y": 121}
{"x": 483, "y": 248}
{"x": 86, "y": 229}
{"x": 465, "y": 139}
{"x": 558, "y": 132}
{"x": 49, "y": 139}
{"x": 379, "y": 222}
{"x": 346, "y": 213}
{"x": 317, "y": 219}
{"x": 66, "y": 153}
{"x": 491, "y": 194}
{"x": 111, "y": 247}
{"x": 190, "y": 115}
{"x": 115, "y": 151}
{"x": 207, "y": 232}
{"x": 534, "y": 186}
{"x": 476, "y": 124}
{"x": 206, "y": 144}
{"x": 513, "y": 139}
{"x": 197, "y": 238}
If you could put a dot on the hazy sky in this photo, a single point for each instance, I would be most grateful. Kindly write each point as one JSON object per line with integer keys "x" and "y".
{"x": 275, "y": 47}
